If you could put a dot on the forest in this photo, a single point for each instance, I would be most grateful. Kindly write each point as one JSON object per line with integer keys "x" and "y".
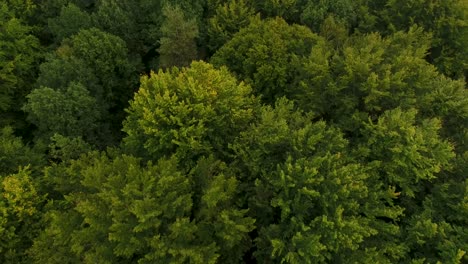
{"x": 233, "y": 131}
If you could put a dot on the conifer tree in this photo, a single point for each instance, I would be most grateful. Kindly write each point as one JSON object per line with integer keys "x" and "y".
{"x": 178, "y": 45}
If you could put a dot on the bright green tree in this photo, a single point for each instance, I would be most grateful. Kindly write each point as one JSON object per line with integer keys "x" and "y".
{"x": 125, "y": 212}
{"x": 188, "y": 112}
{"x": 20, "y": 214}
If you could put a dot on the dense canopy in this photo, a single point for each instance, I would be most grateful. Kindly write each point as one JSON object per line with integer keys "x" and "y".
{"x": 233, "y": 131}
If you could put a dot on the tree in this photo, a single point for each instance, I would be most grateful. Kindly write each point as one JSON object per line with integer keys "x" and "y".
{"x": 268, "y": 55}
{"x": 228, "y": 19}
{"x": 139, "y": 24}
{"x": 126, "y": 212}
{"x": 407, "y": 154}
{"x": 189, "y": 112}
{"x": 98, "y": 61}
{"x": 314, "y": 13}
{"x": 178, "y": 45}
{"x": 119, "y": 18}
{"x": 20, "y": 214}
{"x": 70, "y": 21}
{"x": 277, "y": 8}
{"x": 19, "y": 55}
{"x": 410, "y": 155}
{"x": 445, "y": 20}
{"x": 70, "y": 113}
{"x": 368, "y": 75}
{"x": 22, "y": 9}
{"x": 14, "y": 154}
{"x": 313, "y": 203}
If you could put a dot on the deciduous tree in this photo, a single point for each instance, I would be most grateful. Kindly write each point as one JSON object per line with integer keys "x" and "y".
{"x": 188, "y": 112}
{"x": 268, "y": 54}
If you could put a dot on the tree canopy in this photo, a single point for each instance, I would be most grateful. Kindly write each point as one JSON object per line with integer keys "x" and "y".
{"x": 233, "y": 131}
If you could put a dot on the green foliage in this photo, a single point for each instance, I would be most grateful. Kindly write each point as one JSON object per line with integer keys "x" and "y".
{"x": 369, "y": 74}
{"x": 434, "y": 240}
{"x": 19, "y": 55}
{"x": 178, "y": 38}
{"x": 127, "y": 212}
{"x": 312, "y": 202}
{"x": 448, "y": 100}
{"x": 315, "y": 12}
{"x": 407, "y": 154}
{"x": 97, "y": 60}
{"x": 358, "y": 155}
{"x": 228, "y": 19}
{"x": 188, "y": 112}
{"x": 14, "y": 154}
{"x": 268, "y": 55}
{"x": 20, "y": 205}
{"x": 22, "y": 9}
{"x": 71, "y": 112}
{"x": 70, "y": 21}
{"x": 67, "y": 148}
{"x": 281, "y": 8}
{"x": 445, "y": 19}
{"x": 121, "y": 18}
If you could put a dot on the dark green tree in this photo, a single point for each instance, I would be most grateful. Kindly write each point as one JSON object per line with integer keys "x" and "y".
{"x": 178, "y": 46}
{"x": 314, "y": 13}
{"x": 121, "y": 19}
{"x": 15, "y": 154}
{"x": 313, "y": 202}
{"x": 268, "y": 54}
{"x": 446, "y": 20}
{"x": 70, "y": 21}
{"x": 70, "y": 113}
{"x": 19, "y": 56}
{"x": 368, "y": 75}
{"x": 287, "y": 9}
{"x": 98, "y": 61}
